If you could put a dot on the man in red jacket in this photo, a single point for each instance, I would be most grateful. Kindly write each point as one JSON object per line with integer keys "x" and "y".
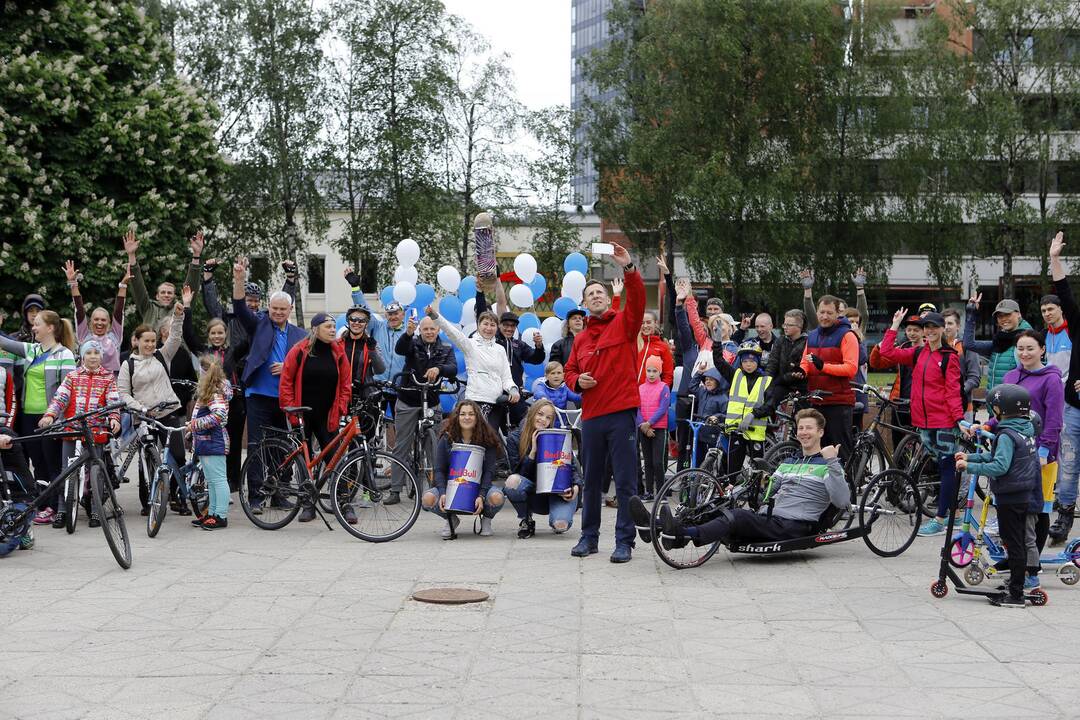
{"x": 602, "y": 367}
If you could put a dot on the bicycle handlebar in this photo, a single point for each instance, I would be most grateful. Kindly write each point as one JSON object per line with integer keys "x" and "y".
{"x": 441, "y": 385}
{"x": 62, "y": 426}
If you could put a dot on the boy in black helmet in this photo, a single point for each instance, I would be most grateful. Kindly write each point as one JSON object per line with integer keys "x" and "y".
{"x": 1016, "y": 480}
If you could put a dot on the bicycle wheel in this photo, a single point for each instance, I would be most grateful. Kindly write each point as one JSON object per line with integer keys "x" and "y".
{"x": 72, "y": 492}
{"x": 889, "y": 513}
{"x": 111, "y": 515}
{"x": 693, "y": 497}
{"x": 781, "y": 452}
{"x": 359, "y": 481}
{"x": 198, "y": 492}
{"x": 158, "y": 501}
{"x": 276, "y": 489}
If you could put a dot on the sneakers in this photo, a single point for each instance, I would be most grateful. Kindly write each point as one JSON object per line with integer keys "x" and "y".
{"x": 526, "y": 528}
{"x": 451, "y": 525}
{"x": 215, "y": 523}
{"x": 94, "y": 520}
{"x": 44, "y": 517}
{"x": 1006, "y": 600}
{"x": 621, "y": 554}
{"x": 26, "y": 542}
{"x": 992, "y": 527}
{"x": 349, "y": 514}
{"x": 59, "y": 520}
{"x": 642, "y": 518}
{"x": 1062, "y": 523}
{"x": 611, "y": 502}
{"x": 672, "y": 532}
{"x": 256, "y": 508}
{"x": 197, "y": 522}
{"x": 932, "y": 527}
{"x": 485, "y": 527}
{"x": 1031, "y": 582}
{"x": 307, "y": 514}
{"x": 584, "y": 547}
{"x": 392, "y": 498}
{"x": 144, "y": 511}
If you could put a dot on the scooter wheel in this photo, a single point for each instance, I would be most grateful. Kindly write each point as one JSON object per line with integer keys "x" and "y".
{"x": 974, "y": 575}
{"x": 1038, "y": 597}
{"x": 939, "y": 589}
{"x": 961, "y": 553}
{"x": 1068, "y": 574}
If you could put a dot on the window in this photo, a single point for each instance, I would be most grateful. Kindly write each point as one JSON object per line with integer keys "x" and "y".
{"x": 316, "y": 274}
{"x": 369, "y": 275}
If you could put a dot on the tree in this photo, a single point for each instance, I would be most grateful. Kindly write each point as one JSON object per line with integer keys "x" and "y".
{"x": 96, "y": 135}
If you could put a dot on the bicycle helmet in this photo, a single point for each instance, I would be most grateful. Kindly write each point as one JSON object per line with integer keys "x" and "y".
{"x": 748, "y": 347}
{"x": 1009, "y": 401}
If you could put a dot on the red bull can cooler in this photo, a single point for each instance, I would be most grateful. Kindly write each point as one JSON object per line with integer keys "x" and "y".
{"x": 554, "y": 461}
{"x": 463, "y": 481}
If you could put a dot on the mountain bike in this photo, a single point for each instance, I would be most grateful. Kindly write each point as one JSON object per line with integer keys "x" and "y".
{"x": 190, "y": 482}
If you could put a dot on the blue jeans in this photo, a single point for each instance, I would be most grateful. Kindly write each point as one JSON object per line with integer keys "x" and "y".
{"x": 941, "y": 444}
{"x": 262, "y": 411}
{"x": 1068, "y": 460}
{"x": 217, "y": 482}
{"x": 525, "y": 501}
{"x": 490, "y": 508}
{"x": 609, "y": 438}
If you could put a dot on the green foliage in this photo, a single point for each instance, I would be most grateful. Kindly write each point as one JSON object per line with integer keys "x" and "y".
{"x": 96, "y": 134}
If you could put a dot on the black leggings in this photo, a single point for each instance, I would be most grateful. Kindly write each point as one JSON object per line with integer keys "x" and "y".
{"x": 653, "y": 452}
{"x": 44, "y": 455}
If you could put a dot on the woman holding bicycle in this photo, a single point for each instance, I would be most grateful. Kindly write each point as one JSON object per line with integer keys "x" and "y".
{"x": 521, "y": 485}
{"x": 936, "y": 406}
{"x": 90, "y": 387}
{"x": 45, "y": 364}
{"x": 316, "y": 374}
{"x": 144, "y": 383}
{"x": 465, "y": 424}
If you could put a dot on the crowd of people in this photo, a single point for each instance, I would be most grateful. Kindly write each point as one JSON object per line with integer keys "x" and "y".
{"x": 249, "y": 369}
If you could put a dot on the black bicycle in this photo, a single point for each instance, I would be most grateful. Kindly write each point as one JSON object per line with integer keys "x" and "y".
{"x": 423, "y": 445}
{"x": 14, "y": 520}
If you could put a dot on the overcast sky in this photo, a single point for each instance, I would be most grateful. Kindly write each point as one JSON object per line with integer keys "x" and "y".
{"x": 536, "y": 34}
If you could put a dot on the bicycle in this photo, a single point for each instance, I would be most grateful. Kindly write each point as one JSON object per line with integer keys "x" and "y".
{"x": 190, "y": 482}
{"x": 423, "y": 445}
{"x": 351, "y": 476}
{"x": 103, "y": 496}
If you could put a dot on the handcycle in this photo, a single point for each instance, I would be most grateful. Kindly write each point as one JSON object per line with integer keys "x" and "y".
{"x": 14, "y": 520}
{"x": 191, "y": 485}
{"x": 886, "y": 513}
{"x": 423, "y": 445}
{"x": 282, "y": 476}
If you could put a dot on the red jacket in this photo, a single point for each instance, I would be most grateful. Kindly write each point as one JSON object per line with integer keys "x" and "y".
{"x": 655, "y": 345}
{"x": 607, "y": 350}
{"x": 935, "y": 395}
{"x": 291, "y": 386}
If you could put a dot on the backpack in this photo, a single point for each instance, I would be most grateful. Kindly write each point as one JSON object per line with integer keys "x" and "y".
{"x": 131, "y": 366}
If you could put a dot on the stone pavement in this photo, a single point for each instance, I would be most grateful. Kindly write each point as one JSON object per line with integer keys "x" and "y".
{"x": 306, "y": 623}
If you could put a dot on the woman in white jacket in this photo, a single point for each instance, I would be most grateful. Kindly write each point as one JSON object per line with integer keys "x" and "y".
{"x": 486, "y": 366}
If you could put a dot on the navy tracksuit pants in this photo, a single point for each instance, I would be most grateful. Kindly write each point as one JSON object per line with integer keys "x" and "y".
{"x": 609, "y": 439}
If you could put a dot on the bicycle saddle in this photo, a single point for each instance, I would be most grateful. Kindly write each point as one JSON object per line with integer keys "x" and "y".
{"x": 297, "y": 409}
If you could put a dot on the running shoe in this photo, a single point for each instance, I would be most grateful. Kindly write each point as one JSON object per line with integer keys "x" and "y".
{"x": 932, "y": 527}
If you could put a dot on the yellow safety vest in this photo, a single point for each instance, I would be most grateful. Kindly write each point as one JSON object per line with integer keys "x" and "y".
{"x": 742, "y": 401}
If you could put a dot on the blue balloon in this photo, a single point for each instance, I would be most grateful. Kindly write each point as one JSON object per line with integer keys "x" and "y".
{"x": 340, "y": 322}
{"x": 467, "y": 289}
{"x": 576, "y": 261}
{"x": 447, "y": 403}
{"x": 387, "y": 296}
{"x": 538, "y": 286}
{"x": 425, "y": 295}
{"x": 526, "y": 321}
{"x": 562, "y": 306}
{"x": 450, "y": 308}
{"x": 460, "y": 361}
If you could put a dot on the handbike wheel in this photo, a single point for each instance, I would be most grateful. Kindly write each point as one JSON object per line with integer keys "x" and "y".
{"x": 158, "y": 501}
{"x": 111, "y": 515}
{"x": 360, "y": 482}
{"x": 782, "y": 452}
{"x": 692, "y": 496}
{"x": 71, "y": 498}
{"x": 273, "y": 475}
{"x": 888, "y": 516}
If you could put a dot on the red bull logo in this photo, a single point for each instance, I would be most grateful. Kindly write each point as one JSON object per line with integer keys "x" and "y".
{"x": 555, "y": 465}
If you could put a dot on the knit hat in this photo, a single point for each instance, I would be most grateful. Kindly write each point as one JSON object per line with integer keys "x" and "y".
{"x": 654, "y": 361}
{"x": 91, "y": 345}
{"x": 320, "y": 318}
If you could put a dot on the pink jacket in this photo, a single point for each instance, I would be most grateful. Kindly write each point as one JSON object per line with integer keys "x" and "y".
{"x": 935, "y": 393}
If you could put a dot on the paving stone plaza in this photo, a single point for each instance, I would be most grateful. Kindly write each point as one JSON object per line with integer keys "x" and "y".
{"x": 307, "y": 623}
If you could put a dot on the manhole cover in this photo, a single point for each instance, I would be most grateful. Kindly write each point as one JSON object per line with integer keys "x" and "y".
{"x": 450, "y": 596}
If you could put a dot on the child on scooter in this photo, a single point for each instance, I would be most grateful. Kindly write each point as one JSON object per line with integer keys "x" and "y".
{"x": 1015, "y": 475}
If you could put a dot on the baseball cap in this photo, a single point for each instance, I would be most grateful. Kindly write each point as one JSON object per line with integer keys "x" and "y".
{"x": 509, "y": 317}
{"x": 927, "y": 307}
{"x": 911, "y": 320}
{"x": 932, "y": 318}
{"x": 393, "y": 307}
{"x": 319, "y": 318}
{"x": 1007, "y": 306}
{"x": 576, "y": 311}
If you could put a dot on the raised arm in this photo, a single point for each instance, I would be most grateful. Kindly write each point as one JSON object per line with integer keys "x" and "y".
{"x": 175, "y": 339}
{"x": 138, "y": 286}
{"x": 240, "y": 309}
{"x": 983, "y": 347}
{"x": 701, "y": 334}
{"x": 859, "y": 278}
{"x": 194, "y": 269}
{"x": 73, "y": 283}
{"x": 453, "y": 333}
{"x": 806, "y": 277}
{"x": 887, "y": 350}
{"x": 118, "y": 304}
{"x": 210, "y": 298}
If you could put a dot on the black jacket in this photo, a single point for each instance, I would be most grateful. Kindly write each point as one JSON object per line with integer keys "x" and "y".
{"x": 1072, "y": 316}
{"x": 419, "y": 358}
{"x": 784, "y": 360}
{"x": 560, "y": 351}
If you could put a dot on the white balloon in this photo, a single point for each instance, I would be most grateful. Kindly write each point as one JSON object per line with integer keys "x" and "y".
{"x": 449, "y": 278}
{"x": 406, "y": 274}
{"x": 525, "y": 268}
{"x": 521, "y": 295}
{"x": 573, "y": 283}
{"x": 468, "y": 311}
{"x": 404, "y": 292}
{"x": 408, "y": 252}
{"x": 574, "y": 294}
{"x": 551, "y": 330}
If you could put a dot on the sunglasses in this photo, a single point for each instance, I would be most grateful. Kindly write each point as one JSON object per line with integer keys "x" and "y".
{"x": 358, "y": 320}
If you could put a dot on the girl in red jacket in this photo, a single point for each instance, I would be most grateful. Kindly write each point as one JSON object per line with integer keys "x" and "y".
{"x": 316, "y": 374}
{"x": 936, "y": 406}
